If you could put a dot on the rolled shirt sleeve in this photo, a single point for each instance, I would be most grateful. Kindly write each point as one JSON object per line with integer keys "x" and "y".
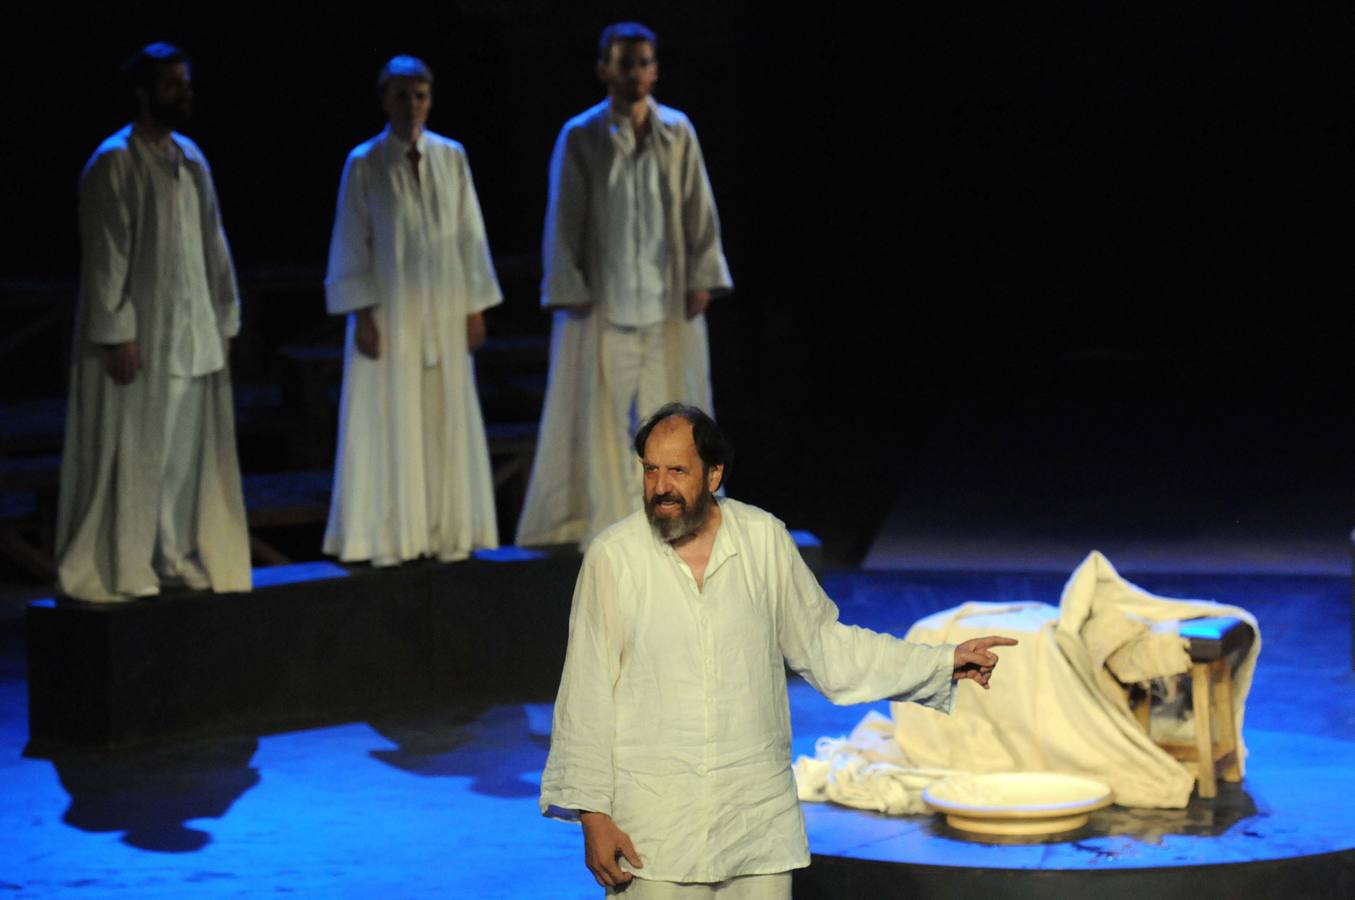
{"x": 579, "y": 775}
{"x": 849, "y": 664}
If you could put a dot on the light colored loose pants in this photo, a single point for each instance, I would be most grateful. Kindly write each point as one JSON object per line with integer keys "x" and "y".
{"x": 632, "y": 371}
{"x": 176, "y": 539}
{"x": 745, "y": 887}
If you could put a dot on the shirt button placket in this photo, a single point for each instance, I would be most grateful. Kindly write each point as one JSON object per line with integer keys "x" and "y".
{"x": 708, "y": 785}
{"x": 708, "y": 665}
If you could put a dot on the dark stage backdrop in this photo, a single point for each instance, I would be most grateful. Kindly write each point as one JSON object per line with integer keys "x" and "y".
{"x": 923, "y": 213}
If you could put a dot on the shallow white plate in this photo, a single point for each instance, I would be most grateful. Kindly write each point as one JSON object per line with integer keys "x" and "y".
{"x": 1017, "y": 802}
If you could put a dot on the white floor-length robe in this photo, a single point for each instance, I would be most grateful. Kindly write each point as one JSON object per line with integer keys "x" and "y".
{"x": 582, "y": 480}
{"x": 415, "y": 252}
{"x": 115, "y": 435}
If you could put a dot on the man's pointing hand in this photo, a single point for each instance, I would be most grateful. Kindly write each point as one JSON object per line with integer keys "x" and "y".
{"x": 974, "y": 660}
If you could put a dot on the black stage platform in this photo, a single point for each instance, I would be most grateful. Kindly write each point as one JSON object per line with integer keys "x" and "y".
{"x": 312, "y": 643}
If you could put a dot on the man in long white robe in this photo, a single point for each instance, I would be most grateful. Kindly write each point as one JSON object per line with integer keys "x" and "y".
{"x": 632, "y": 258}
{"x": 150, "y": 484}
{"x": 409, "y": 264}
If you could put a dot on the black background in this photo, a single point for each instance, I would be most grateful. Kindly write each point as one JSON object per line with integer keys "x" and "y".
{"x": 978, "y": 210}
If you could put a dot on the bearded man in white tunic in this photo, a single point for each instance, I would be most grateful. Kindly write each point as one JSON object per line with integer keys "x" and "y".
{"x": 632, "y": 258}
{"x": 409, "y": 265}
{"x": 671, "y": 735}
{"x": 150, "y": 484}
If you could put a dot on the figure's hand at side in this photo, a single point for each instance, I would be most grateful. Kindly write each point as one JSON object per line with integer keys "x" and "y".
{"x": 974, "y": 660}
{"x": 366, "y": 335}
{"x": 603, "y": 843}
{"x": 578, "y": 310}
{"x": 697, "y": 301}
{"x": 122, "y": 362}
{"x": 475, "y": 331}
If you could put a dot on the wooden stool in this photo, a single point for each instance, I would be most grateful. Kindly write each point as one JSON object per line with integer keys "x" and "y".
{"x": 1211, "y": 687}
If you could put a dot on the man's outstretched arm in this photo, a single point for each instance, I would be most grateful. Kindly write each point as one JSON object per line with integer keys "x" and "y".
{"x": 849, "y": 664}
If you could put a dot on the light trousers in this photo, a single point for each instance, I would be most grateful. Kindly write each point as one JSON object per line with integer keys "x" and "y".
{"x": 176, "y": 539}
{"x": 632, "y": 372}
{"x": 744, "y": 887}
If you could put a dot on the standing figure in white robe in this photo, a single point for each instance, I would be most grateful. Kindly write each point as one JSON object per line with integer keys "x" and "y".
{"x": 150, "y": 484}
{"x": 409, "y": 265}
{"x": 632, "y": 258}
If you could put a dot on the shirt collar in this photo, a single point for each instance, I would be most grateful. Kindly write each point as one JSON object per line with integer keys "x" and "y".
{"x": 177, "y": 155}
{"x": 722, "y": 550}
{"x": 624, "y": 133}
{"x": 725, "y": 545}
{"x": 402, "y": 146}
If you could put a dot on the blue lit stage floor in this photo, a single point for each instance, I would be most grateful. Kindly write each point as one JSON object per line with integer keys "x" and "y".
{"x": 443, "y": 803}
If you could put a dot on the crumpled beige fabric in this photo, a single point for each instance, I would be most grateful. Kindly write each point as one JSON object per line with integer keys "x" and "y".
{"x": 1054, "y": 706}
{"x": 866, "y": 770}
{"x": 1135, "y": 649}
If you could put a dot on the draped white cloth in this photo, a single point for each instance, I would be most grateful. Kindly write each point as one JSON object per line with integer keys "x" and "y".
{"x": 133, "y": 288}
{"x": 412, "y": 475}
{"x": 583, "y": 478}
{"x": 1053, "y": 706}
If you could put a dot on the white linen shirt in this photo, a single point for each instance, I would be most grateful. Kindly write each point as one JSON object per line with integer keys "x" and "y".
{"x": 636, "y": 245}
{"x": 196, "y": 341}
{"x": 672, "y": 715}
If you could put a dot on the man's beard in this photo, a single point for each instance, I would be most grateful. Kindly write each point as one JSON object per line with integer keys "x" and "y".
{"x": 686, "y": 522}
{"x": 172, "y": 115}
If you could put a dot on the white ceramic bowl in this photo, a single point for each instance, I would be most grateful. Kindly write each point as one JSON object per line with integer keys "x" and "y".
{"x": 1017, "y": 803}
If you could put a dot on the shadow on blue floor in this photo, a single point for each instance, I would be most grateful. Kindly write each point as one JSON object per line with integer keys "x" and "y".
{"x": 150, "y": 793}
{"x": 492, "y": 746}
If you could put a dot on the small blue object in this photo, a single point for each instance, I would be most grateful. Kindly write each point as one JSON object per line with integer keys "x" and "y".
{"x": 295, "y": 573}
{"x": 44, "y": 603}
{"x": 805, "y": 539}
{"x": 1211, "y": 629}
{"x": 508, "y": 554}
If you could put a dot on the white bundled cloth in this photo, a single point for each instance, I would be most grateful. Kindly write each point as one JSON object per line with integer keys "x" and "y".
{"x": 1054, "y": 706}
{"x": 866, "y": 770}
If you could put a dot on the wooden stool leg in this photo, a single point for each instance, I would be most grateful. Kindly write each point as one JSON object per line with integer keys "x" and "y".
{"x": 1225, "y": 723}
{"x": 1204, "y": 739}
{"x": 1143, "y": 709}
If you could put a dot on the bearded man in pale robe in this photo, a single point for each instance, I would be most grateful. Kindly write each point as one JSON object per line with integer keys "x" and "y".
{"x": 631, "y": 258}
{"x": 409, "y": 266}
{"x": 150, "y": 484}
